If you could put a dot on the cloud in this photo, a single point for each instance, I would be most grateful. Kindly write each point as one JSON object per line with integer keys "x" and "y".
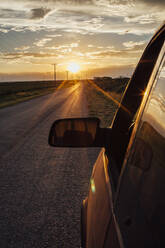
{"x": 153, "y": 2}
{"x": 76, "y": 2}
{"x": 118, "y": 27}
{"x": 9, "y": 14}
{"x": 22, "y": 48}
{"x": 133, "y": 2}
{"x": 54, "y": 35}
{"x": 134, "y": 45}
{"x": 83, "y": 16}
{"x": 39, "y": 13}
{"x": 42, "y": 42}
{"x": 132, "y": 51}
{"x": 3, "y": 30}
{"x": 18, "y": 55}
{"x": 72, "y": 45}
{"x": 141, "y": 19}
{"x": 113, "y": 71}
{"x": 63, "y": 49}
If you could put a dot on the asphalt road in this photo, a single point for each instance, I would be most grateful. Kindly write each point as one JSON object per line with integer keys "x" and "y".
{"x": 41, "y": 188}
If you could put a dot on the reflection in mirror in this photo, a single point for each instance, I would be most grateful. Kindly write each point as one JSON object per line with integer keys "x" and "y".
{"x": 75, "y": 132}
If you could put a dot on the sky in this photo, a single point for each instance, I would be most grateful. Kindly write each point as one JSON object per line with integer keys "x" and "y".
{"x": 105, "y": 37}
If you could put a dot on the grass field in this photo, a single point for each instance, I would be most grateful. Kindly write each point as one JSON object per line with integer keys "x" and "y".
{"x": 116, "y": 85}
{"x": 100, "y": 105}
{"x": 15, "y": 92}
{"x": 104, "y": 96}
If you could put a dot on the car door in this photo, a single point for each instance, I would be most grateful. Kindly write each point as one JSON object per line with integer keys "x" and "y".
{"x": 140, "y": 201}
{"x": 100, "y": 203}
{"x": 104, "y": 213}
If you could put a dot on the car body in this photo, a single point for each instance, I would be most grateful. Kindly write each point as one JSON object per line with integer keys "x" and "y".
{"x": 125, "y": 206}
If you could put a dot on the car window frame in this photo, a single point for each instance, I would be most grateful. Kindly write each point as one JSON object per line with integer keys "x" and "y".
{"x": 127, "y": 165}
{"x": 132, "y": 98}
{"x": 152, "y": 81}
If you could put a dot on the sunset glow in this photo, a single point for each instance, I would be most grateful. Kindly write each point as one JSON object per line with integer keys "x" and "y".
{"x": 73, "y": 67}
{"x": 105, "y": 38}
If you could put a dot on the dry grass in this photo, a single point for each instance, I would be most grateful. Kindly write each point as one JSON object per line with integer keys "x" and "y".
{"x": 14, "y": 98}
{"x": 116, "y": 96}
{"x": 16, "y": 92}
{"x": 100, "y": 105}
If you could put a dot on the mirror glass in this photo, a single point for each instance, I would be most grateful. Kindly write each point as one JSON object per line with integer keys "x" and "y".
{"x": 75, "y": 132}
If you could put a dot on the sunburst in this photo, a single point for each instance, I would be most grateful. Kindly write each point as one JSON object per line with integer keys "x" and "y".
{"x": 73, "y": 67}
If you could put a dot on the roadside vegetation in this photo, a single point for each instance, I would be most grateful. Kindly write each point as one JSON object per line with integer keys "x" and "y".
{"x": 104, "y": 96}
{"x": 15, "y": 92}
{"x": 99, "y": 104}
{"x": 114, "y": 86}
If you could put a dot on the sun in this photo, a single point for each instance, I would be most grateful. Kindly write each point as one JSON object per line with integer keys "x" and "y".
{"x": 73, "y": 67}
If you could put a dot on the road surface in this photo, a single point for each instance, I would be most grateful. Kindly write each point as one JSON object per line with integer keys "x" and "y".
{"x": 41, "y": 188}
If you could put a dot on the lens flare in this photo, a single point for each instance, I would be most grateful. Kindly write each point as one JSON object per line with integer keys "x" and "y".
{"x": 73, "y": 67}
{"x": 93, "y": 188}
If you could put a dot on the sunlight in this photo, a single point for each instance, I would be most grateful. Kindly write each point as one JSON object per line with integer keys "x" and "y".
{"x": 73, "y": 67}
{"x": 109, "y": 96}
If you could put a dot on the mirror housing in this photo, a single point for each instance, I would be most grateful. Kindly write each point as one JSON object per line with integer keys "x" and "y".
{"x": 78, "y": 132}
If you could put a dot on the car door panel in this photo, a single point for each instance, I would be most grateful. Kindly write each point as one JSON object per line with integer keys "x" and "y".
{"x": 113, "y": 236}
{"x": 140, "y": 203}
{"x": 99, "y": 209}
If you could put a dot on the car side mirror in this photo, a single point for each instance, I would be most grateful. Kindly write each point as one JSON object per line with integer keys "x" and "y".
{"x": 78, "y": 132}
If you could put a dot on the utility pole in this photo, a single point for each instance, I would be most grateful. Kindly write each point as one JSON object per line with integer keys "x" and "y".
{"x": 86, "y": 75}
{"x": 67, "y": 75}
{"x": 54, "y": 71}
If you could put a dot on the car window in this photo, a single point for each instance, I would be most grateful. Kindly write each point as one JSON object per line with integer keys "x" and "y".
{"x": 150, "y": 139}
{"x": 140, "y": 201}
